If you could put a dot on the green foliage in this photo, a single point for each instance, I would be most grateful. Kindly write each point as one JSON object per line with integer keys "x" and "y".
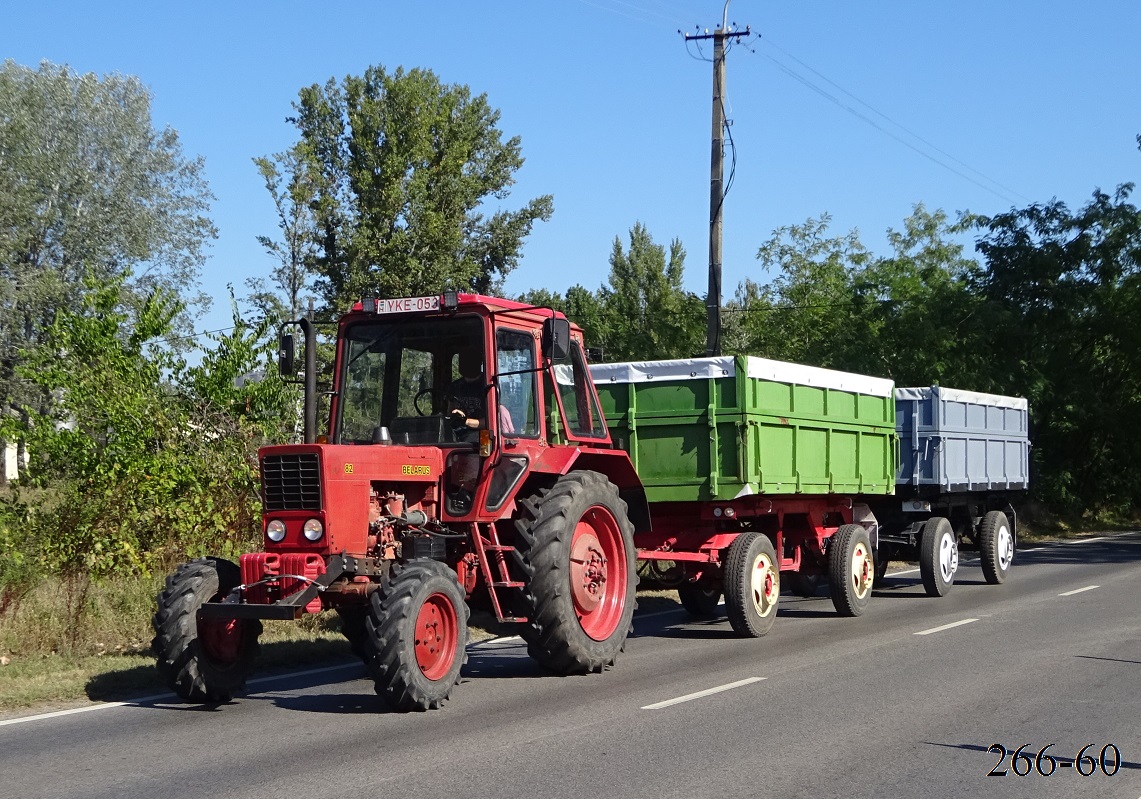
{"x": 643, "y": 312}
{"x": 1060, "y": 294}
{"x": 914, "y": 316}
{"x": 291, "y": 188}
{"x": 143, "y": 459}
{"x": 399, "y": 169}
{"x": 647, "y": 312}
{"x": 90, "y": 190}
{"x": 808, "y": 305}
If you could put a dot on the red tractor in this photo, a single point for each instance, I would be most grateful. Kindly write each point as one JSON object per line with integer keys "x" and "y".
{"x": 466, "y": 460}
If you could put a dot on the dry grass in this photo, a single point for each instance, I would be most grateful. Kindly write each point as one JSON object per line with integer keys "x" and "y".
{"x": 66, "y": 644}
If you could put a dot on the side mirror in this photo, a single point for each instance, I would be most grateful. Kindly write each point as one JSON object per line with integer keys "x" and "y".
{"x": 556, "y": 339}
{"x": 285, "y": 355}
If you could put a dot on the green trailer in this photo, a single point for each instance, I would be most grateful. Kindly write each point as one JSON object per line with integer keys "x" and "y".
{"x": 754, "y": 468}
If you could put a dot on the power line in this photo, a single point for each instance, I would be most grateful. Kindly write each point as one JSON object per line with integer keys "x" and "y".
{"x": 934, "y": 147}
{"x": 770, "y": 309}
{"x": 198, "y": 335}
{"x": 1006, "y": 194}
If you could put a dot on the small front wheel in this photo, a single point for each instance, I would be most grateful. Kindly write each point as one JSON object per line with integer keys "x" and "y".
{"x": 202, "y": 660}
{"x": 417, "y": 634}
{"x": 938, "y": 556}
{"x": 851, "y": 569}
{"x": 752, "y": 584}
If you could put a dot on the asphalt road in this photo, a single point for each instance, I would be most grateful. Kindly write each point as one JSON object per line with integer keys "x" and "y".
{"x": 904, "y": 701}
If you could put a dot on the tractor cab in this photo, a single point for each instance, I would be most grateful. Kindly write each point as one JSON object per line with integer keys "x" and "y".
{"x": 490, "y": 383}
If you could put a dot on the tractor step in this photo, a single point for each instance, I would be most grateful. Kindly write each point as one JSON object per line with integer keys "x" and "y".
{"x": 508, "y": 584}
{"x": 498, "y": 548}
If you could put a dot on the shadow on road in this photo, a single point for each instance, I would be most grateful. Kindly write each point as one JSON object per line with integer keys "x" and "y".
{"x": 343, "y": 704}
{"x": 1119, "y": 549}
{"x": 1115, "y": 660}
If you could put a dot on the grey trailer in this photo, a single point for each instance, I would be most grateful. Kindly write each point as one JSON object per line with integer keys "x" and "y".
{"x": 964, "y": 460}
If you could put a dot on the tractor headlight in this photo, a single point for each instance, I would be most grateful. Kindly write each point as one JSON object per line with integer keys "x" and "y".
{"x": 275, "y": 531}
{"x": 313, "y": 530}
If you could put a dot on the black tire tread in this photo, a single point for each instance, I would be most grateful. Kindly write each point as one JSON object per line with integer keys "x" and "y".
{"x": 354, "y": 630}
{"x": 178, "y": 655}
{"x": 844, "y": 597}
{"x": 988, "y": 546}
{"x": 389, "y": 653}
{"x": 700, "y": 600}
{"x": 929, "y": 566}
{"x": 543, "y": 531}
{"x": 738, "y": 584}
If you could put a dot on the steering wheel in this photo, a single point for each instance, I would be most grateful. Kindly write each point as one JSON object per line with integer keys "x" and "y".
{"x": 426, "y": 392}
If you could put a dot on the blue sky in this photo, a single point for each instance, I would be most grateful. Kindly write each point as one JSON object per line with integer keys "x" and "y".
{"x": 1023, "y": 101}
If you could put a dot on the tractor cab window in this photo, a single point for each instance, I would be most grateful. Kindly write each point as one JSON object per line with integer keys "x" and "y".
{"x": 579, "y": 405}
{"x": 400, "y": 376}
{"x": 515, "y": 367}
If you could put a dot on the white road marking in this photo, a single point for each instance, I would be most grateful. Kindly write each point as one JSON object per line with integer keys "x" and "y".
{"x": 87, "y": 709}
{"x": 706, "y": 692}
{"x": 1079, "y": 590}
{"x": 161, "y": 697}
{"x": 945, "y": 627}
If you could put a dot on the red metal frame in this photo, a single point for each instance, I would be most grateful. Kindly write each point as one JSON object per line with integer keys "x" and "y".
{"x": 699, "y": 532}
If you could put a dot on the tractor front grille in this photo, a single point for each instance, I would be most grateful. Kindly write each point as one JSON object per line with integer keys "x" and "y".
{"x": 291, "y": 482}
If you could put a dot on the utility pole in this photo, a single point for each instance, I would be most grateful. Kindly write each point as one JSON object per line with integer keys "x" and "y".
{"x": 716, "y": 178}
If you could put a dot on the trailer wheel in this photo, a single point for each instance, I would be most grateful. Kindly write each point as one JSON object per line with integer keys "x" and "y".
{"x": 202, "y": 660}
{"x": 804, "y": 584}
{"x": 575, "y": 545}
{"x": 701, "y": 599}
{"x": 416, "y": 635}
{"x": 752, "y": 584}
{"x": 851, "y": 569}
{"x": 353, "y": 628}
{"x": 938, "y": 556}
{"x": 882, "y": 559}
{"x": 996, "y": 544}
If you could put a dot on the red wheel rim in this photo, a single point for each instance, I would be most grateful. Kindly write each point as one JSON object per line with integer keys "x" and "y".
{"x": 437, "y": 636}
{"x": 221, "y": 639}
{"x": 598, "y": 573}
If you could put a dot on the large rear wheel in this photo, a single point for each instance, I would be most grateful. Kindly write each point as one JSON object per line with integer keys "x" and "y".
{"x": 938, "y": 556}
{"x": 752, "y": 584}
{"x": 575, "y": 545}
{"x": 202, "y": 660}
{"x": 417, "y": 635}
{"x": 851, "y": 569}
{"x": 996, "y": 544}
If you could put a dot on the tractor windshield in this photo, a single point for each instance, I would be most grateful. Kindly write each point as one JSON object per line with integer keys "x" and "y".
{"x": 421, "y": 379}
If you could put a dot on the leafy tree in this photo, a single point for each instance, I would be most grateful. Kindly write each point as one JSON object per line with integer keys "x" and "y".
{"x": 647, "y": 312}
{"x": 642, "y": 312}
{"x": 281, "y": 298}
{"x": 147, "y": 458}
{"x": 91, "y": 191}
{"x": 1060, "y": 294}
{"x": 808, "y": 306}
{"x": 402, "y": 168}
{"x": 915, "y": 318}
{"x": 581, "y": 305}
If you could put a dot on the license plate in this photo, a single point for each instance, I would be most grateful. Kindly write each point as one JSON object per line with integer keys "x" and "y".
{"x": 408, "y": 305}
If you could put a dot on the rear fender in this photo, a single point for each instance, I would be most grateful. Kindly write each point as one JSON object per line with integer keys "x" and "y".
{"x": 616, "y": 465}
